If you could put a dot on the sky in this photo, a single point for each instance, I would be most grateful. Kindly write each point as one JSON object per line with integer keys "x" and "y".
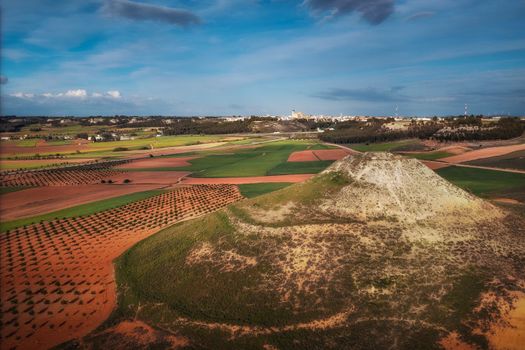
{"x": 250, "y": 57}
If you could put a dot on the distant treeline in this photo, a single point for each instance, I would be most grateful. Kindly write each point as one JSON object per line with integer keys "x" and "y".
{"x": 191, "y": 126}
{"x": 453, "y": 129}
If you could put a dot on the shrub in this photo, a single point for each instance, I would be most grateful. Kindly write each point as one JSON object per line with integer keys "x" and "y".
{"x": 120, "y": 149}
{"x": 127, "y": 181}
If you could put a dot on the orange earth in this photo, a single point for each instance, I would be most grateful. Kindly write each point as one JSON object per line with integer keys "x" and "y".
{"x": 41, "y": 200}
{"x": 324, "y": 154}
{"x": 57, "y": 277}
{"x": 483, "y": 153}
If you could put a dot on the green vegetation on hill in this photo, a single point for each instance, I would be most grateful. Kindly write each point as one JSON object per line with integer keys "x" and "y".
{"x": 257, "y": 161}
{"x": 81, "y": 210}
{"x": 254, "y": 190}
{"x": 483, "y": 182}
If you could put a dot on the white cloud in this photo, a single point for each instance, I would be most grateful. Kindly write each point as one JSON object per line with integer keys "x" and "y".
{"x": 114, "y": 93}
{"x": 22, "y": 95}
{"x": 74, "y": 94}
{"x": 81, "y": 93}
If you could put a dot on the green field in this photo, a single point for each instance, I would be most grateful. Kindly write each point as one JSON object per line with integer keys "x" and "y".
{"x": 254, "y": 190}
{"x": 25, "y": 143}
{"x": 483, "y": 182}
{"x": 429, "y": 155}
{"x": 258, "y": 161}
{"x": 513, "y": 160}
{"x": 299, "y": 167}
{"x": 80, "y": 210}
{"x": 158, "y": 142}
{"x": 384, "y": 146}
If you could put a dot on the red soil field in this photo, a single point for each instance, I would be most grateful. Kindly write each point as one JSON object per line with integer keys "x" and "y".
{"x": 483, "y": 153}
{"x": 332, "y": 154}
{"x": 247, "y": 180}
{"x": 324, "y": 154}
{"x": 40, "y": 200}
{"x": 302, "y": 156}
{"x": 455, "y": 149}
{"x": 157, "y": 163}
{"x": 58, "y": 278}
{"x": 151, "y": 177}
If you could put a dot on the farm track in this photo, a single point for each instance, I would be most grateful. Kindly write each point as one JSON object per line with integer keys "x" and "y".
{"x": 57, "y": 276}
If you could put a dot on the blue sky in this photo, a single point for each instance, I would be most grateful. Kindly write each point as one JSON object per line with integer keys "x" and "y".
{"x": 223, "y": 57}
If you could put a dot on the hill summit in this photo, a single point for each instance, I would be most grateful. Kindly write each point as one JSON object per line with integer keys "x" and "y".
{"x": 384, "y": 185}
{"x": 375, "y": 252}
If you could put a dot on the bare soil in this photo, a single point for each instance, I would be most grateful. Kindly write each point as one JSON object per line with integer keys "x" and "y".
{"x": 41, "y": 200}
{"x": 324, "y": 154}
{"x": 484, "y": 153}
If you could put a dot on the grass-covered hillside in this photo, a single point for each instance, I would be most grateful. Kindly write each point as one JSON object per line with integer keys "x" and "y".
{"x": 349, "y": 259}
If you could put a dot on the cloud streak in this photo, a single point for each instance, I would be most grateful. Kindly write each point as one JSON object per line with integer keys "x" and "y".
{"x": 79, "y": 94}
{"x": 145, "y": 12}
{"x": 420, "y": 15}
{"x": 373, "y": 11}
{"x": 367, "y": 95}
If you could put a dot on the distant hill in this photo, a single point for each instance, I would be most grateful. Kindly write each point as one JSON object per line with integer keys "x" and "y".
{"x": 277, "y": 126}
{"x": 376, "y": 252}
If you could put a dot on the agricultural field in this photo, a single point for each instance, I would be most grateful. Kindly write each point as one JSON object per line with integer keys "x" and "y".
{"x": 270, "y": 159}
{"x": 512, "y": 160}
{"x": 42, "y": 307}
{"x": 260, "y": 206}
{"x": 403, "y": 145}
{"x": 484, "y": 182}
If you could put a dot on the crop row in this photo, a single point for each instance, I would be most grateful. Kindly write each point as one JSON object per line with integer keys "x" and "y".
{"x": 57, "y": 177}
{"x": 57, "y": 276}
